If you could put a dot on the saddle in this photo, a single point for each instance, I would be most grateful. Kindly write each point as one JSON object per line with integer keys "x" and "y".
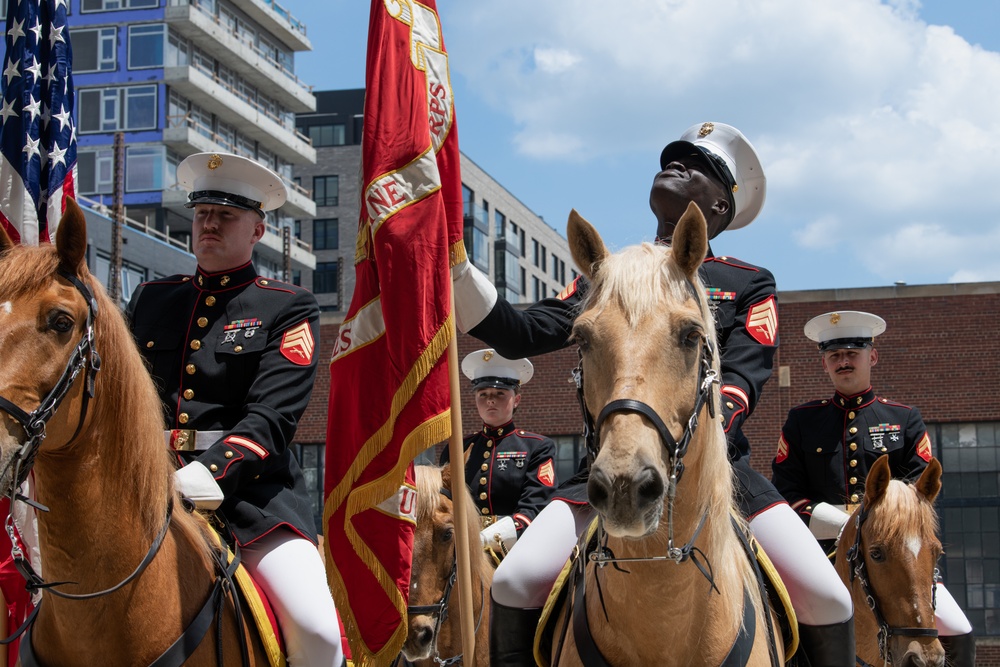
{"x": 547, "y": 633}
{"x": 260, "y": 607}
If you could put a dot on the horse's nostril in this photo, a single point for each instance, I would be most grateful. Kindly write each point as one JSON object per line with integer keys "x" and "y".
{"x": 425, "y": 635}
{"x": 598, "y": 489}
{"x": 649, "y": 486}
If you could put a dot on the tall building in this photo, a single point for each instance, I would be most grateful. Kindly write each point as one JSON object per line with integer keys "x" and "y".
{"x": 178, "y": 77}
{"x": 525, "y": 257}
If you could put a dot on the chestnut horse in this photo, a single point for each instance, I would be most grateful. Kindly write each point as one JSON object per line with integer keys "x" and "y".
{"x": 671, "y": 582}
{"x": 77, "y": 401}
{"x": 435, "y": 633}
{"x": 887, "y": 557}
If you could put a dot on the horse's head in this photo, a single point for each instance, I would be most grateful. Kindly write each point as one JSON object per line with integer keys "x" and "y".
{"x": 646, "y": 337}
{"x": 897, "y": 552}
{"x": 46, "y": 313}
{"x": 433, "y": 573}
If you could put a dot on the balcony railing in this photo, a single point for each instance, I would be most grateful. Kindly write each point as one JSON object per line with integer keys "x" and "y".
{"x": 143, "y": 227}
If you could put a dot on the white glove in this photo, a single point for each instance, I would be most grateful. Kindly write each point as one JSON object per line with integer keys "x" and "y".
{"x": 474, "y": 295}
{"x": 195, "y": 482}
{"x": 502, "y": 532}
{"x": 827, "y": 521}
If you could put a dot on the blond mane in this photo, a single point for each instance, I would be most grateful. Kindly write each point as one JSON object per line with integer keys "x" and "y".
{"x": 904, "y": 512}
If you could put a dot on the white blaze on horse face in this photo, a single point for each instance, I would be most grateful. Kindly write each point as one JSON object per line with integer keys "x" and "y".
{"x": 6, "y": 307}
{"x": 914, "y": 544}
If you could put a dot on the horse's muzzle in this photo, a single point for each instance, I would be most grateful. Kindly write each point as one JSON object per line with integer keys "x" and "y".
{"x": 631, "y": 505}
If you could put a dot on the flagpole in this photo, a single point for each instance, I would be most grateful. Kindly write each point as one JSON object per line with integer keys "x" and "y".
{"x": 462, "y": 537}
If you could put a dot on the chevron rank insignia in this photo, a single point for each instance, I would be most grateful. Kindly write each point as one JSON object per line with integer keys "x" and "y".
{"x": 297, "y": 344}
{"x": 762, "y": 322}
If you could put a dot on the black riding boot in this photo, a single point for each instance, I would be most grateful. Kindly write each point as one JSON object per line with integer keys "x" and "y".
{"x": 827, "y": 645}
{"x": 512, "y": 635}
{"x": 959, "y": 650}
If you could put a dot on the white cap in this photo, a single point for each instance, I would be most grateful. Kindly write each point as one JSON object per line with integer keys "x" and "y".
{"x": 734, "y": 161}
{"x": 486, "y": 368}
{"x": 230, "y": 180}
{"x": 844, "y": 329}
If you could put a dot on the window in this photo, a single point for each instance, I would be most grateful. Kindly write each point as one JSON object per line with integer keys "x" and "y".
{"x": 499, "y": 225}
{"x": 96, "y": 171}
{"x": 524, "y": 245}
{"x": 326, "y": 234}
{"x": 555, "y": 267}
{"x": 536, "y": 289}
{"x": 131, "y": 275}
{"x": 109, "y": 5}
{"x": 545, "y": 257}
{"x": 480, "y": 255}
{"x": 94, "y": 50}
{"x": 570, "y": 450}
{"x": 969, "y": 510}
{"x": 326, "y": 190}
{"x": 468, "y": 199}
{"x": 327, "y": 135}
{"x": 534, "y": 253}
{"x": 146, "y": 45}
{"x": 177, "y": 51}
{"x": 112, "y": 109}
{"x": 144, "y": 168}
{"x": 325, "y": 278}
{"x": 524, "y": 282}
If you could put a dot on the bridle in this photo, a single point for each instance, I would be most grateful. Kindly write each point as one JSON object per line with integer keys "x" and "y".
{"x": 440, "y": 608}
{"x": 676, "y": 449}
{"x": 858, "y": 569}
{"x": 34, "y": 422}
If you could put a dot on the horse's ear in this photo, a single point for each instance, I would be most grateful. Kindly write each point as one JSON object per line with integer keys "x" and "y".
{"x": 878, "y": 481}
{"x": 446, "y": 476}
{"x": 929, "y": 483}
{"x": 585, "y": 244}
{"x": 5, "y": 242}
{"x": 689, "y": 243}
{"x": 71, "y": 238}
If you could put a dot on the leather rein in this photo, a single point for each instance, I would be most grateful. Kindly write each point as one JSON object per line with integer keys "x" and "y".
{"x": 85, "y": 356}
{"x": 859, "y": 570}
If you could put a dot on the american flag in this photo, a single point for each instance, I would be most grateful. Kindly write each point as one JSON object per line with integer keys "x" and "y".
{"x": 37, "y": 132}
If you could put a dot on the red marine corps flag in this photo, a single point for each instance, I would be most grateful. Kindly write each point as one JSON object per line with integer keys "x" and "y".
{"x": 389, "y": 393}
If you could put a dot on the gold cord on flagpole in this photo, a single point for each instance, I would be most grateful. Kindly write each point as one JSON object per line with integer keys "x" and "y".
{"x": 462, "y": 536}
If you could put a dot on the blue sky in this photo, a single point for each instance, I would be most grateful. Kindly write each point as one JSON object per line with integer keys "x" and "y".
{"x": 876, "y": 122}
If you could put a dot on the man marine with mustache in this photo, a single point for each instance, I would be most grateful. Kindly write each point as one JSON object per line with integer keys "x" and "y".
{"x": 827, "y": 447}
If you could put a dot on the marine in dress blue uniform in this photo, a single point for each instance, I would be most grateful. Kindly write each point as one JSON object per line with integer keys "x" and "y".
{"x": 716, "y": 167}
{"x": 827, "y": 447}
{"x": 510, "y": 471}
{"x": 233, "y": 357}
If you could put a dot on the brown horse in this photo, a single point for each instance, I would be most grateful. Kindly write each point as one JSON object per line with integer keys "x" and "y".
{"x": 677, "y": 586}
{"x": 101, "y": 468}
{"x": 889, "y": 566}
{"x": 435, "y": 635}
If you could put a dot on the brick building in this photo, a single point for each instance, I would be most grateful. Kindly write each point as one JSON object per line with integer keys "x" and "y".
{"x": 939, "y": 353}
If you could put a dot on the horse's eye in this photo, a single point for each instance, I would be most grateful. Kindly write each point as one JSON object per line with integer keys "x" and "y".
{"x": 691, "y": 338}
{"x": 876, "y": 554}
{"x": 447, "y": 535}
{"x": 60, "y": 322}
{"x": 580, "y": 340}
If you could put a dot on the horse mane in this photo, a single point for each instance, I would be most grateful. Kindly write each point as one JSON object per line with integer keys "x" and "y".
{"x": 430, "y": 482}
{"x": 642, "y": 282}
{"x": 907, "y": 512}
{"x": 127, "y": 417}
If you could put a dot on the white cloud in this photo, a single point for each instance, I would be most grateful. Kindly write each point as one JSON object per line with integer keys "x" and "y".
{"x": 869, "y": 121}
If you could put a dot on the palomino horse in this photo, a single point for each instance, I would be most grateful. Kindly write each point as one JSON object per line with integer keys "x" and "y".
{"x": 115, "y": 532}
{"x": 671, "y": 582}
{"x": 435, "y": 635}
{"x": 887, "y": 556}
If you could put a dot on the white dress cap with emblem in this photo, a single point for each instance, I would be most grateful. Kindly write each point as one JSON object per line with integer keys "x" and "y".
{"x": 486, "y": 368}
{"x": 230, "y": 180}
{"x": 733, "y": 161}
{"x": 844, "y": 329}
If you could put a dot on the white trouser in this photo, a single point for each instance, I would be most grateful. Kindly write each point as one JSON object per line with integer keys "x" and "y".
{"x": 818, "y": 595}
{"x": 290, "y": 571}
{"x": 948, "y": 616}
{"x": 526, "y": 575}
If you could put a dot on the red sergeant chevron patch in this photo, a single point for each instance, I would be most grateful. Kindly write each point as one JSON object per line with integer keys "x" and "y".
{"x": 762, "y": 322}
{"x": 297, "y": 344}
{"x": 782, "y": 450}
